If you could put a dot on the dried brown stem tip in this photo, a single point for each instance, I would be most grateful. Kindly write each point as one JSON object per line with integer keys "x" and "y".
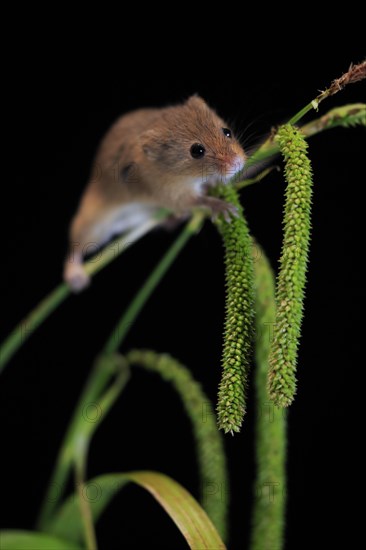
{"x": 354, "y": 74}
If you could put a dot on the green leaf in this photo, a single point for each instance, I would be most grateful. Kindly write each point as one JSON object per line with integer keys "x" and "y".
{"x": 33, "y": 540}
{"x": 183, "y": 509}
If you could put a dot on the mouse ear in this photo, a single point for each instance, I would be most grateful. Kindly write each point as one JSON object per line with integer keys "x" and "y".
{"x": 150, "y": 143}
{"x": 196, "y": 101}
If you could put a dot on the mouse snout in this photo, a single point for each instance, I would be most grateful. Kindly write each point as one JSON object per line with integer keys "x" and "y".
{"x": 229, "y": 165}
{"x": 237, "y": 164}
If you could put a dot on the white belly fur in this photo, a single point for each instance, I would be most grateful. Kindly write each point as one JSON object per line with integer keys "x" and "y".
{"x": 123, "y": 219}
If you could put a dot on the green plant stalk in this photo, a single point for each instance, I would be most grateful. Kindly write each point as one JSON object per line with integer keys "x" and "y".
{"x": 123, "y": 326}
{"x": 355, "y": 73}
{"x": 31, "y": 322}
{"x": 82, "y": 436}
{"x": 346, "y": 116}
{"x": 350, "y": 115}
{"x": 238, "y": 332}
{"x": 85, "y": 428}
{"x": 214, "y": 482}
{"x": 40, "y": 313}
{"x": 98, "y": 380}
{"x": 293, "y": 266}
{"x": 100, "y": 377}
{"x": 256, "y": 179}
{"x": 268, "y": 520}
{"x": 85, "y": 512}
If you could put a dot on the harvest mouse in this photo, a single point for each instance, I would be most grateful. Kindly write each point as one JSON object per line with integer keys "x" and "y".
{"x": 152, "y": 159}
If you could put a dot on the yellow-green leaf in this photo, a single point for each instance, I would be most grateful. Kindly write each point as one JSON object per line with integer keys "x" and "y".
{"x": 183, "y": 509}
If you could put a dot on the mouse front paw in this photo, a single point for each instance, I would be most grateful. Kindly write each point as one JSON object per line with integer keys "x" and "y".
{"x": 76, "y": 277}
{"x": 220, "y": 207}
{"x": 229, "y": 211}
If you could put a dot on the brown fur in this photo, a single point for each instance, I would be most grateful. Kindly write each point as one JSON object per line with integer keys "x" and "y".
{"x": 145, "y": 159}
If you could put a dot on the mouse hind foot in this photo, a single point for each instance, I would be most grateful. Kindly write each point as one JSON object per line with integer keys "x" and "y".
{"x": 76, "y": 276}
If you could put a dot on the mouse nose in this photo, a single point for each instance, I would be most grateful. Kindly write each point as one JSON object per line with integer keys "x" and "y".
{"x": 237, "y": 164}
{"x": 231, "y": 165}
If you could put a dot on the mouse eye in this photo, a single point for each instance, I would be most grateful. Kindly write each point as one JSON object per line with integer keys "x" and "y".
{"x": 198, "y": 151}
{"x": 226, "y": 132}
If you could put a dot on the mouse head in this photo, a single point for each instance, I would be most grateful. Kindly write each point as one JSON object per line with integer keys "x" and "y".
{"x": 190, "y": 140}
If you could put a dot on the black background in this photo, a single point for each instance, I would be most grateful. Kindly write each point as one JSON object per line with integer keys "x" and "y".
{"x": 65, "y": 89}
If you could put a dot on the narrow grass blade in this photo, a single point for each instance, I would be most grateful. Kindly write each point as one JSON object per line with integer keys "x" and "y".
{"x": 183, "y": 509}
